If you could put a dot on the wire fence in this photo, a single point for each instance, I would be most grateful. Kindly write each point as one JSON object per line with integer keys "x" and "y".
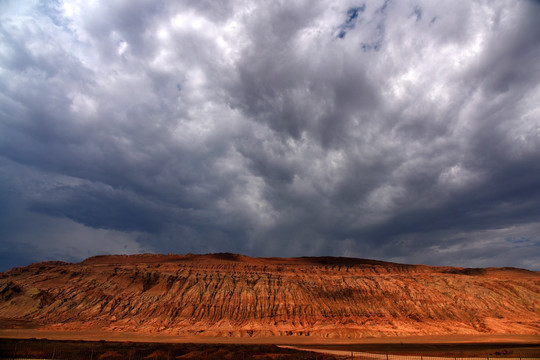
{"x": 528, "y": 354}
{"x": 374, "y": 356}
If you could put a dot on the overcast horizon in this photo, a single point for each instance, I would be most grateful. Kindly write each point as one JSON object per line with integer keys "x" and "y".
{"x": 405, "y": 131}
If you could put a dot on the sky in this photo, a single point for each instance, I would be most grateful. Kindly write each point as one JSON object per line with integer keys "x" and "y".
{"x": 406, "y": 131}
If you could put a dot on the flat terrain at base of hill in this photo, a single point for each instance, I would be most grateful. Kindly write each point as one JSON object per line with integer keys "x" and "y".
{"x": 95, "y": 335}
{"x": 102, "y": 350}
{"x": 39, "y": 344}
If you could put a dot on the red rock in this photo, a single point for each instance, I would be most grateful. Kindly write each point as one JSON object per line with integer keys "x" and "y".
{"x": 238, "y": 296}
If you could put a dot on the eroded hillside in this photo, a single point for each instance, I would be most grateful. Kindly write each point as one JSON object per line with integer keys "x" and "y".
{"x": 234, "y": 295}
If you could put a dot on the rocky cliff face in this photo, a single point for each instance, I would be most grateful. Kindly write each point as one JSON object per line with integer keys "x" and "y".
{"x": 234, "y": 295}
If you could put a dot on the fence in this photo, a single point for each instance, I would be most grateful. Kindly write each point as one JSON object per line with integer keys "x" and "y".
{"x": 244, "y": 354}
{"x": 371, "y": 356}
{"x": 357, "y": 355}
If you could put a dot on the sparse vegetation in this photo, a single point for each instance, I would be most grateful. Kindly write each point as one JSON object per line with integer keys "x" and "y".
{"x": 102, "y": 350}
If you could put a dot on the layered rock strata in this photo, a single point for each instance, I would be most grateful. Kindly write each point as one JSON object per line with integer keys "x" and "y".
{"x": 234, "y": 295}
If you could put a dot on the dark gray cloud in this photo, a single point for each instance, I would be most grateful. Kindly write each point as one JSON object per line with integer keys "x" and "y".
{"x": 405, "y": 131}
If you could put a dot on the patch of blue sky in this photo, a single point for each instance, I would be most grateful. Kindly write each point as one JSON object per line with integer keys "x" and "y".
{"x": 352, "y": 17}
{"x": 523, "y": 242}
{"x": 383, "y": 8}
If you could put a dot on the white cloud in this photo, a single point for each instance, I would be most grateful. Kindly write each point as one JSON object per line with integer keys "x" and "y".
{"x": 315, "y": 127}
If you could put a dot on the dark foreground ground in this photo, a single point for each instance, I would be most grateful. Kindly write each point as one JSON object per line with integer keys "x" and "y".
{"x": 122, "y": 350}
{"x": 104, "y": 350}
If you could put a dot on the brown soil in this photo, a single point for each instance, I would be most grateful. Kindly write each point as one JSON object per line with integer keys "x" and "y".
{"x": 110, "y": 350}
{"x": 84, "y": 350}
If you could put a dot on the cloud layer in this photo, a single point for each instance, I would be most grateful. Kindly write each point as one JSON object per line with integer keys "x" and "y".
{"x": 406, "y": 131}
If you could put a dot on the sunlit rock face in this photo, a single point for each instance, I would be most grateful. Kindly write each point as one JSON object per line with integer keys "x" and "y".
{"x": 237, "y": 296}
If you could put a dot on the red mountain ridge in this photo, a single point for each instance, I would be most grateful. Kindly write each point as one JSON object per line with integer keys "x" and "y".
{"x": 229, "y": 295}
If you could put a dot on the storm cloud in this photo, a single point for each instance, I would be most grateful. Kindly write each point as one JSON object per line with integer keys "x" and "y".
{"x": 399, "y": 130}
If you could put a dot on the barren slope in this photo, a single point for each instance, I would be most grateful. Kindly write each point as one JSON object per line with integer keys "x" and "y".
{"x": 234, "y": 295}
